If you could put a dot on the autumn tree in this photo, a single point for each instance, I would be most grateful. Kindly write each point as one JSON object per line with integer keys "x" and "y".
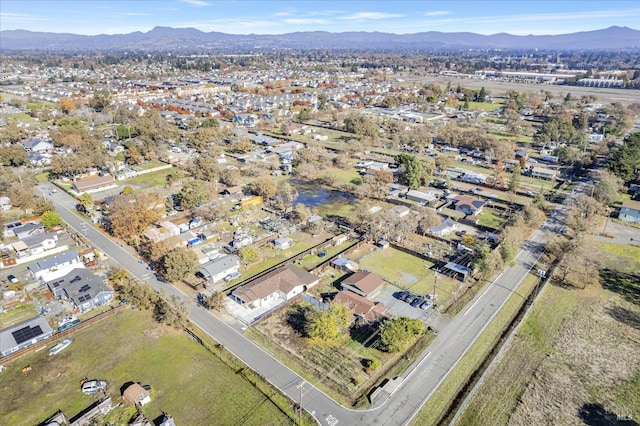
{"x": 66, "y": 105}
{"x": 131, "y": 214}
{"x": 179, "y": 263}
{"x": 326, "y": 325}
{"x": 13, "y": 155}
{"x": 607, "y": 190}
{"x": 248, "y": 254}
{"x": 427, "y": 219}
{"x": 193, "y": 193}
{"x": 101, "y": 99}
{"x": 285, "y": 196}
{"x": 216, "y": 301}
{"x": 398, "y": 333}
{"x": 265, "y": 187}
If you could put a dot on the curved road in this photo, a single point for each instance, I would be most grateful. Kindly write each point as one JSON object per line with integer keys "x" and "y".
{"x": 455, "y": 335}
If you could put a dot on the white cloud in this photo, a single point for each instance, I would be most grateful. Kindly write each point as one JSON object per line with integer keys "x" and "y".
{"x": 305, "y": 21}
{"x": 195, "y": 2}
{"x": 19, "y": 18}
{"x": 370, "y": 15}
{"x": 133, "y": 14}
{"x": 437, "y": 13}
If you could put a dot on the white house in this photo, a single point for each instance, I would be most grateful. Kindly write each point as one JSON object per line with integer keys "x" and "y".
{"x": 36, "y": 244}
{"x": 447, "y": 226}
{"x": 219, "y": 268}
{"x": 283, "y": 243}
{"x": 630, "y": 211}
{"x": 55, "y": 266}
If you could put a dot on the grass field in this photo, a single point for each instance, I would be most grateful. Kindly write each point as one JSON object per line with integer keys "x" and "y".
{"x": 17, "y": 315}
{"x": 575, "y": 360}
{"x": 439, "y": 401}
{"x": 409, "y": 272}
{"x": 490, "y": 218}
{"x": 187, "y": 381}
{"x": 150, "y": 180}
{"x": 622, "y": 258}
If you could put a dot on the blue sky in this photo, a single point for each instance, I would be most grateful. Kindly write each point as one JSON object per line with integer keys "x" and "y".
{"x": 277, "y": 17}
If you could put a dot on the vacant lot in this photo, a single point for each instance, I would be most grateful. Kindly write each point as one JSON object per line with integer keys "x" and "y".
{"x": 187, "y": 381}
{"x": 575, "y": 359}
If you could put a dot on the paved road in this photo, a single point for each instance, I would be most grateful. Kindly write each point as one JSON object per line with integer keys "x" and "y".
{"x": 419, "y": 382}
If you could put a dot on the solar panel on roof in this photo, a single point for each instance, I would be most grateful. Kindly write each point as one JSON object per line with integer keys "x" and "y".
{"x": 27, "y": 333}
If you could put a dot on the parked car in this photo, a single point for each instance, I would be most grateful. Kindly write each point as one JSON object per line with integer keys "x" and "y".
{"x": 461, "y": 233}
{"x": 322, "y": 254}
{"x": 403, "y": 295}
{"x": 417, "y": 301}
{"x": 232, "y": 276}
{"x": 425, "y": 304}
{"x": 12, "y": 278}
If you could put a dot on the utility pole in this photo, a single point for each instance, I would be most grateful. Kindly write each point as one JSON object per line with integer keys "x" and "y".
{"x": 435, "y": 281}
{"x": 300, "y": 386}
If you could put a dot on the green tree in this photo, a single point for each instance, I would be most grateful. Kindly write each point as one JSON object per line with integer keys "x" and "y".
{"x": 397, "y": 333}
{"x": 50, "y": 219}
{"x": 101, "y": 100}
{"x": 265, "y": 187}
{"x": 86, "y": 200}
{"x": 327, "y": 325}
{"x": 412, "y": 168}
{"x": 210, "y": 122}
{"x": 179, "y": 263}
{"x": 607, "y": 190}
{"x": 248, "y": 254}
{"x": 625, "y": 161}
{"x": 13, "y": 155}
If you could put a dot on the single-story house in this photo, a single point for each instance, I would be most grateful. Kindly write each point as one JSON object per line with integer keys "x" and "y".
{"x": 400, "y": 211}
{"x": 468, "y": 205}
{"x": 162, "y": 231}
{"x": 24, "y": 334}
{"x": 521, "y": 154}
{"x": 55, "y": 266}
{"x": 233, "y": 190}
{"x": 28, "y": 229}
{"x": 84, "y": 289}
{"x": 38, "y": 145}
{"x": 219, "y": 268}
{"x": 135, "y": 394}
{"x": 420, "y": 197}
{"x": 339, "y": 239}
{"x": 39, "y": 159}
{"x": 282, "y": 243}
{"x": 10, "y": 227}
{"x": 630, "y": 211}
{"x": 543, "y": 173}
{"x": 93, "y": 183}
{"x": 447, "y": 226}
{"x": 283, "y": 283}
{"x": 344, "y": 264}
{"x": 362, "y": 283}
{"x": 35, "y": 244}
{"x": 361, "y": 307}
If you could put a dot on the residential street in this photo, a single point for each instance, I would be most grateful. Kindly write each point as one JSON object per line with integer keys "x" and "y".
{"x": 455, "y": 336}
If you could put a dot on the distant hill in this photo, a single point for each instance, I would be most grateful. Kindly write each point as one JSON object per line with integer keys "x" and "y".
{"x": 166, "y": 38}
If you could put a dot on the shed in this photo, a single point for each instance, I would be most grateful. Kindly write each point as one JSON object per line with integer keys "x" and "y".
{"x": 362, "y": 283}
{"x": 282, "y": 243}
{"x": 136, "y": 394}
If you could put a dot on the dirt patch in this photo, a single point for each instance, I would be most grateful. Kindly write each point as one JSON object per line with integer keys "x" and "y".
{"x": 154, "y": 333}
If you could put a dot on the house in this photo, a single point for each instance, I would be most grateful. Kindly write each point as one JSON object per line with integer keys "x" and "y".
{"x": 84, "y": 289}
{"x": 468, "y": 205}
{"x": 420, "y": 197}
{"x": 24, "y": 334}
{"x": 162, "y": 231}
{"x": 281, "y": 284}
{"x": 39, "y": 159}
{"x": 35, "y": 244}
{"x": 113, "y": 149}
{"x": 339, "y": 239}
{"x": 219, "y": 268}
{"x": 93, "y": 183}
{"x": 233, "y": 190}
{"x": 135, "y": 394}
{"x": 630, "y": 211}
{"x": 360, "y": 307}
{"x": 363, "y": 283}
{"x": 55, "y": 266}
{"x": 283, "y": 243}
{"x": 399, "y": 211}
{"x": 344, "y": 264}
{"x": 28, "y": 229}
{"x": 38, "y": 145}
{"x": 521, "y": 154}
{"x": 10, "y": 227}
{"x": 447, "y": 226}
{"x": 5, "y": 203}
{"x": 543, "y": 173}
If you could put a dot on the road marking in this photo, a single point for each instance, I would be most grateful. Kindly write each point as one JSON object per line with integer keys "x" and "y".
{"x": 331, "y": 420}
{"x": 482, "y": 294}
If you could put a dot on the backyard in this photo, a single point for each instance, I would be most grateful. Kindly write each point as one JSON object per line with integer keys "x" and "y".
{"x": 130, "y": 346}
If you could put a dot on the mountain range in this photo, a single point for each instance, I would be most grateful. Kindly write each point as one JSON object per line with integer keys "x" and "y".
{"x": 166, "y": 38}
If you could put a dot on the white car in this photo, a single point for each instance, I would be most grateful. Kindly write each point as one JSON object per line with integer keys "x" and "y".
{"x": 232, "y": 276}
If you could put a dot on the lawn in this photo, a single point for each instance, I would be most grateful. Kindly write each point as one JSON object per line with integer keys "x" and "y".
{"x": 152, "y": 179}
{"x": 441, "y": 398}
{"x": 490, "y": 218}
{"x": 623, "y": 258}
{"x": 484, "y": 106}
{"x": 409, "y": 272}
{"x": 21, "y": 313}
{"x": 187, "y": 381}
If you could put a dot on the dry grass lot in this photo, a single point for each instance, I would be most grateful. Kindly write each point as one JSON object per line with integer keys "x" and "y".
{"x": 575, "y": 359}
{"x": 187, "y": 381}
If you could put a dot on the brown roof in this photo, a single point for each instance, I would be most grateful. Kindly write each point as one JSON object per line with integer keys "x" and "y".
{"x": 283, "y": 279}
{"x": 360, "y": 306}
{"x": 134, "y": 393}
{"x": 367, "y": 282}
{"x": 631, "y": 204}
{"x": 93, "y": 182}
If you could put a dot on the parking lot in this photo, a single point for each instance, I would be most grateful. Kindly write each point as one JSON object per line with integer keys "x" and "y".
{"x": 396, "y": 307}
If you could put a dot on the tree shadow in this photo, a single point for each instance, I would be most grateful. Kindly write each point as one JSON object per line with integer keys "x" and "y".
{"x": 626, "y": 285}
{"x": 296, "y": 319}
{"x": 624, "y": 316}
{"x": 596, "y": 415}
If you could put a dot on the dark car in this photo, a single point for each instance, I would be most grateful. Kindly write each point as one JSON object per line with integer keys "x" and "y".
{"x": 415, "y": 302}
{"x": 403, "y": 295}
{"x": 425, "y": 304}
{"x": 322, "y": 254}
{"x": 12, "y": 278}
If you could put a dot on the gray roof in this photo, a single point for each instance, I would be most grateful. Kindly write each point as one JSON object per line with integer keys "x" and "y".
{"x": 219, "y": 265}
{"x": 27, "y": 227}
{"x": 7, "y": 338}
{"x": 35, "y": 240}
{"x": 52, "y": 261}
{"x": 80, "y": 285}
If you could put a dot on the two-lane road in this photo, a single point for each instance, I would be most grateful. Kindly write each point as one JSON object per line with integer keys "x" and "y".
{"x": 421, "y": 379}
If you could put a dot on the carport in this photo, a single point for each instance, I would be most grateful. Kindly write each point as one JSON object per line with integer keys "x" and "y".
{"x": 457, "y": 271}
